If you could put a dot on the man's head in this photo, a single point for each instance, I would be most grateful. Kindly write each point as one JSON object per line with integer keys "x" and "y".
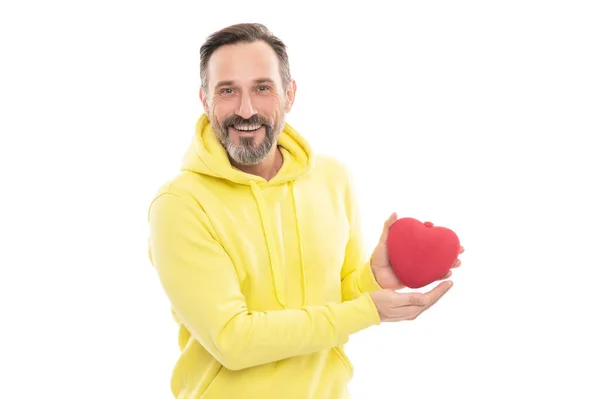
{"x": 246, "y": 89}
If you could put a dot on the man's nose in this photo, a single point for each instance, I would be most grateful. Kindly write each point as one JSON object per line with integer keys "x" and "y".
{"x": 245, "y": 109}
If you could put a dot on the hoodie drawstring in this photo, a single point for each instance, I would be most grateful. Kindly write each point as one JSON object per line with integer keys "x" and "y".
{"x": 266, "y": 225}
{"x": 271, "y": 246}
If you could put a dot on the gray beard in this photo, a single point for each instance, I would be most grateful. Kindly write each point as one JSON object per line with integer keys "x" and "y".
{"x": 245, "y": 153}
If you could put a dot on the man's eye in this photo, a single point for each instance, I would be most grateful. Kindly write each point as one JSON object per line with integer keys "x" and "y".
{"x": 226, "y": 91}
{"x": 263, "y": 88}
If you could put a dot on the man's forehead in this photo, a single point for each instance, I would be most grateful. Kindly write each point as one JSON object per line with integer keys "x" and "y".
{"x": 243, "y": 62}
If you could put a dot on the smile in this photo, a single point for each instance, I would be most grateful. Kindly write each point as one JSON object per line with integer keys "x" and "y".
{"x": 247, "y": 128}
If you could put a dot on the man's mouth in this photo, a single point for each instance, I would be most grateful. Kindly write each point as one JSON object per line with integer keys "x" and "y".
{"x": 246, "y": 128}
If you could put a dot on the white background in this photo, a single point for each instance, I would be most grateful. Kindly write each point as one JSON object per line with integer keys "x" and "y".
{"x": 480, "y": 116}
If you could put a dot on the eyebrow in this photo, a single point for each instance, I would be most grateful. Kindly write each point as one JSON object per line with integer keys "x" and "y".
{"x": 231, "y": 82}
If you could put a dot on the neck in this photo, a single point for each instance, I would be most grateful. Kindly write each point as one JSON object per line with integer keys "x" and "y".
{"x": 268, "y": 168}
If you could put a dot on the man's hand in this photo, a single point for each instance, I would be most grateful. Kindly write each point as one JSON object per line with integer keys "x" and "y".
{"x": 380, "y": 262}
{"x": 395, "y": 306}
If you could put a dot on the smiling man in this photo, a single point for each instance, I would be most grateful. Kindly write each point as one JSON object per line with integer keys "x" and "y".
{"x": 246, "y": 106}
{"x": 257, "y": 241}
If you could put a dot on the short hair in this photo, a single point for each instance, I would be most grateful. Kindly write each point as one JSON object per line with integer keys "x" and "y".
{"x": 243, "y": 33}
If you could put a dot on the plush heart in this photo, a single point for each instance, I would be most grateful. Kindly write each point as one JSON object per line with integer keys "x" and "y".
{"x": 421, "y": 253}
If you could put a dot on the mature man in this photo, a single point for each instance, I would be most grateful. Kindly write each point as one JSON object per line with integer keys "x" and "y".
{"x": 257, "y": 242}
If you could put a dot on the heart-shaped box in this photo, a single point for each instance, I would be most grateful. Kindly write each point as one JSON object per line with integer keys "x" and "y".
{"x": 421, "y": 253}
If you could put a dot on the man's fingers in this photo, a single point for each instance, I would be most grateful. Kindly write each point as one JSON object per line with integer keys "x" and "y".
{"x": 440, "y": 291}
{"x": 412, "y": 305}
{"x": 424, "y": 299}
{"x": 386, "y": 227}
{"x": 408, "y": 306}
{"x": 393, "y": 217}
{"x": 458, "y": 262}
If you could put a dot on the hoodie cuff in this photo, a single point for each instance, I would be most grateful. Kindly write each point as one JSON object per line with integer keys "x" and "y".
{"x": 358, "y": 314}
{"x": 367, "y": 281}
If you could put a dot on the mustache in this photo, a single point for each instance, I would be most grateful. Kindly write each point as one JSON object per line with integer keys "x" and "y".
{"x": 253, "y": 120}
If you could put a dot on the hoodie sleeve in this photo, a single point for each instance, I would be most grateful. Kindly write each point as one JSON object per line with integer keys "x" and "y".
{"x": 203, "y": 288}
{"x": 357, "y": 275}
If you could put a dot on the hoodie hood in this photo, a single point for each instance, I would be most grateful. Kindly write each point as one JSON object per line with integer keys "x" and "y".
{"x": 206, "y": 155}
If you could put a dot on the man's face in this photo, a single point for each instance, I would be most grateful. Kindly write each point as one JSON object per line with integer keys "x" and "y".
{"x": 245, "y": 101}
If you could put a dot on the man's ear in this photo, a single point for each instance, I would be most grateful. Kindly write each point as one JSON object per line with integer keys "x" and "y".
{"x": 290, "y": 96}
{"x": 204, "y": 100}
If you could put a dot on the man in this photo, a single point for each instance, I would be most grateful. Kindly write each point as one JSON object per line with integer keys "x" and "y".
{"x": 257, "y": 242}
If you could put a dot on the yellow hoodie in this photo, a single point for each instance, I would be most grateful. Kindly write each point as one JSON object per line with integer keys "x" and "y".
{"x": 267, "y": 279}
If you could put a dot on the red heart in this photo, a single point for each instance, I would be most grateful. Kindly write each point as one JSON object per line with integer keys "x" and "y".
{"x": 421, "y": 253}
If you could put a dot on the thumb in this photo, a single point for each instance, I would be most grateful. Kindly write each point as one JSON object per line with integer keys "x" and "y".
{"x": 386, "y": 227}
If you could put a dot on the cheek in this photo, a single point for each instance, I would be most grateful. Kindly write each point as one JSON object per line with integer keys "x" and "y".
{"x": 221, "y": 109}
{"x": 270, "y": 105}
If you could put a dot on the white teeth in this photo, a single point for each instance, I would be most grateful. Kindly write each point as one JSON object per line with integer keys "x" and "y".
{"x": 247, "y": 127}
